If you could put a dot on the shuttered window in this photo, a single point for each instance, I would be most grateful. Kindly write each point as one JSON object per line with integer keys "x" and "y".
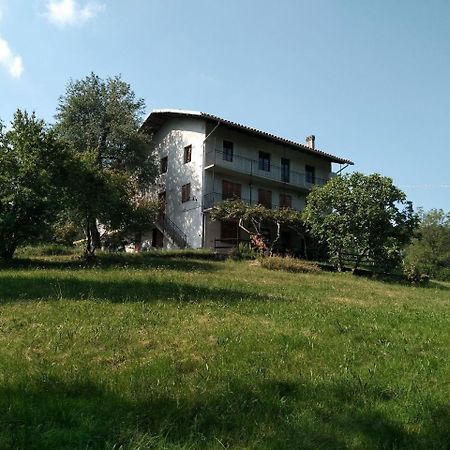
{"x": 230, "y": 190}
{"x": 285, "y": 201}
{"x": 185, "y": 193}
{"x": 228, "y": 230}
{"x": 265, "y": 198}
{"x": 187, "y": 154}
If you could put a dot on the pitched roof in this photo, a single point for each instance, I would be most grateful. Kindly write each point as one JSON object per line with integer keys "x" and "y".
{"x": 159, "y": 116}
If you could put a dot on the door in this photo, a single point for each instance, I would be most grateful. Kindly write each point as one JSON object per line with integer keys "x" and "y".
{"x": 157, "y": 238}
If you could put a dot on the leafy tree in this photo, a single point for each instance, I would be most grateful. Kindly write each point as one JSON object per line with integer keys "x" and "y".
{"x": 113, "y": 161}
{"x": 31, "y": 168}
{"x": 112, "y": 196}
{"x": 364, "y": 216}
{"x": 253, "y": 218}
{"x": 429, "y": 251}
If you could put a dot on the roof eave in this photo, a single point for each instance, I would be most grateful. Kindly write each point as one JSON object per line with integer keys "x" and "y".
{"x": 166, "y": 113}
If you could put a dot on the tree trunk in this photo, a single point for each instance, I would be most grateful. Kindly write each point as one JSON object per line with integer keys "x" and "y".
{"x": 95, "y": 234}
{"x": 90, "y": 247}
{"x": 276, "y": 239}
{"x": 8, "y": 251}
{"x": 138, "y": 242}
{"x": 358, "y": 261}
{"x": 340, "y": 266}
{"x": 305, "y": 246}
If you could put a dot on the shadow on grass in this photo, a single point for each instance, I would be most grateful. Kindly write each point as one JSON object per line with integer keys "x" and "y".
{"x": 397, "y": 279}
{"x": 45, "y": 286}
{"x": 260, "y": 414}
{"x": 111, "y": 261}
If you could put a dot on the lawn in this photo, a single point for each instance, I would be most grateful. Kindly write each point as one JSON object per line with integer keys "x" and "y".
{"x": 142, "y": 352}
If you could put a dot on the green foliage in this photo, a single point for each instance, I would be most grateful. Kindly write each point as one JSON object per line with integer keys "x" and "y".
{"x": 289, "y": 264}
{"x": 140, "y": 214}
{"x": 104, "y": 117}
{"x": 429, "y": 251}
{"x": 243, "y": 251}
{"x": 253, "y": 218}
{"x": 64, "y": 230}
{"x": 33, "y": 251}
{"x": 364, "y": 216}
{"x": 31, "y": 168}
{"x": 113, "y": 163}
{"x": 413, "y": 273}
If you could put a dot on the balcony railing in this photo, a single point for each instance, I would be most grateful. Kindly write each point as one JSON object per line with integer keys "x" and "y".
{"x": 251, "y": 167}
{"x": 213, "y": 198}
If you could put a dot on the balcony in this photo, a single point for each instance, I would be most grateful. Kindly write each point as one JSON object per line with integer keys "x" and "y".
{"x": 240, "y": 164}
{"x": 213, "y": 198}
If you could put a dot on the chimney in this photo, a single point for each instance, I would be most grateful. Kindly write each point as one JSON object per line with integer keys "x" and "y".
{"x": 310, "y": 141}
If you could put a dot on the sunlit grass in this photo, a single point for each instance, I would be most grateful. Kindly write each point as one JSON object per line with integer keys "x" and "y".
{"x": 191, "y": 353}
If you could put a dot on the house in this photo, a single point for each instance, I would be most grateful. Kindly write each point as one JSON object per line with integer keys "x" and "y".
{"x": 205, "y": 159}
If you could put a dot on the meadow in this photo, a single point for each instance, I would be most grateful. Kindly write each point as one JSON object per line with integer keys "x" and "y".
{"x": 143, "y": 352}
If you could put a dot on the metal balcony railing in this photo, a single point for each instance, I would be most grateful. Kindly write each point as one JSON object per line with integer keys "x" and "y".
{"x": 254, "y": 168}
{"x": 170, "y": 228}
{"x": 213, "y": 198}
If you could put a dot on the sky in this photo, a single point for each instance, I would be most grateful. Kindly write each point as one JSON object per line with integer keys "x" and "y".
{"x": 370, "y": 79}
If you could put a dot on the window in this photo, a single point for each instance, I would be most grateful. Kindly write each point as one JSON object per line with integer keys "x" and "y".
{"x": 264, "y": 161}
{"x": 163, "y": 164}
{"x": 310, "y": 173}
{"x": 285, "y": 201}
{"x": 228, "y": 151}
{"x": 185, "y": 193}
{"x": 229, "y": 230}
{"x": 285, "y": 170}
{"x": 230, "y": 190}
{"x": 187, "y": 154}
{"x": 265, "y": 198}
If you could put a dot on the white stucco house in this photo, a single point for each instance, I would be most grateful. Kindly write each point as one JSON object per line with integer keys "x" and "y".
{"x": 205, "y": 159}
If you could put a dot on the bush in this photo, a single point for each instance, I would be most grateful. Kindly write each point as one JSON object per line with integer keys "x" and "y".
{"x": 414, "y": 275}
{"x": 289, "y": 264}
{"x": 46, "y": 250}
{"x": 243, "y": 251}
{"x": 443, "y": 274}
{"x": 65, "y": 232}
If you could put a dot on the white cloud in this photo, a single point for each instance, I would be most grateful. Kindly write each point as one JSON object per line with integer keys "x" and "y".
{"x": 70, "y": 12}
{"x": 13, "y": 63}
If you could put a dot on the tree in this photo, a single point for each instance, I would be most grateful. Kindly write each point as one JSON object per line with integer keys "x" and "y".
{"x": 113, "y": 162}
{"x": 253, "y": 218}
{"x": 429, "y": 251}
{"x": 31, "y": 168}
{"x": 362, "y": 216}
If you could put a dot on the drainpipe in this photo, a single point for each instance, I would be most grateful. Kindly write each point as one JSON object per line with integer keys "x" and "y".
{"x": 203, "y": 180}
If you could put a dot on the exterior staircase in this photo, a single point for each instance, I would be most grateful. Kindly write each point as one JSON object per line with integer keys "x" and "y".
{"x": 172, "y": 231}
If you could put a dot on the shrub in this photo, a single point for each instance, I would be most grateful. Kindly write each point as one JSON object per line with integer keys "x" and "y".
{"x": 414, "y": 275}
{"x": 443, "y": 274}
{"x": 243, "y": 251}
{"x": 289, "y": 264}
{"x": 46, "y": 250}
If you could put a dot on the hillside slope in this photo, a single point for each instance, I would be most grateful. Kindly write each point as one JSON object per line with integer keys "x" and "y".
{"x": 179, "y": 354}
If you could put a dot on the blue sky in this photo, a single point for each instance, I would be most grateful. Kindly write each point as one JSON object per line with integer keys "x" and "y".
{"x": 371, "y": 79}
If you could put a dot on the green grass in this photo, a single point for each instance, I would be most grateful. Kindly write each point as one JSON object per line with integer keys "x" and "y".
{"x": 148, "y": 352}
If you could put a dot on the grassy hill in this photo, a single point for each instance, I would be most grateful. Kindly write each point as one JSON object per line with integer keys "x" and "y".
{"x": 139, "y": 352}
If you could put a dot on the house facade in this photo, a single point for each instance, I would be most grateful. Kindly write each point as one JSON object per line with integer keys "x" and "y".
{"x": 205, "y": 159}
